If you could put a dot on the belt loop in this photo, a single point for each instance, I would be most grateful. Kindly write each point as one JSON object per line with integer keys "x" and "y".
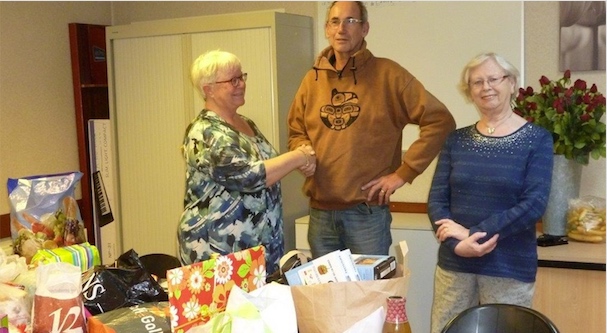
{"x": 368, "y": 208}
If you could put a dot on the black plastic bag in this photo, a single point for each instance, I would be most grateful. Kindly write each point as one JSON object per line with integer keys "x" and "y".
{"x": 129, "y": 283}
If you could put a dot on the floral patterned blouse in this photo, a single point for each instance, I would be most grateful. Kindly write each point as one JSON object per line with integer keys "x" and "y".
{"x": 227, "y": 207}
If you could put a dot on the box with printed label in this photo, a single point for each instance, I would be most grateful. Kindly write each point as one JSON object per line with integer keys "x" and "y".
{"x": 374, "y": 267}
{"x": 324, "y": 269}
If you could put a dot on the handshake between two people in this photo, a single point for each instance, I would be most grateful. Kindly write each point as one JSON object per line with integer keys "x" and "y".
{"x": 310, "y": 166}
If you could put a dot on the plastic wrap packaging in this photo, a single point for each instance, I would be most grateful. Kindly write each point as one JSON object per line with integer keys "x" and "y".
{"x": 82, "y": 255}
{"x": 44, "y": 213}
{"x": 16, "y": 305}
{"x": 11, "y": 266}
{"x": 15, "y": 301}
{"x": 586, "y": 219}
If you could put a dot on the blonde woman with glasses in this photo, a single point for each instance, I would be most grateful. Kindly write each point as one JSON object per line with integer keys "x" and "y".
{"x": 233, "y": 199}
{"x": 490, "y": 188}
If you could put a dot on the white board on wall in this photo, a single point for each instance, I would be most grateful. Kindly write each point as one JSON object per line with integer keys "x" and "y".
{"x": 434, "y": 40}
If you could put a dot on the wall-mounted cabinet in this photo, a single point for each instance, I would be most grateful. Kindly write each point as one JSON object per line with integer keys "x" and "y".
{"x": 152, "y": 101}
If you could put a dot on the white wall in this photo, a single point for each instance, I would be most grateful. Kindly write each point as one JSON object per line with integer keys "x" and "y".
{"x": 37, "y": 118}
{"x": 542, "y": 58}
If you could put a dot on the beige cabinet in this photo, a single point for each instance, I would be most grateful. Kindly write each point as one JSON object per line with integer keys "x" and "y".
{"x": 570, "y": 286}
{"x": 152, "y": 101}
{"x": 574, "y": 299}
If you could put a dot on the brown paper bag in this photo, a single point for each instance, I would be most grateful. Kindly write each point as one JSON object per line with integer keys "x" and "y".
{"x": 334, "y": 307}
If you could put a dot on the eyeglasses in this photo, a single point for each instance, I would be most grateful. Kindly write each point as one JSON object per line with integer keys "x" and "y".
{"x": 492, "y": 82}
{"x": 350, "y": 21}
{"x": 235, "y": 80}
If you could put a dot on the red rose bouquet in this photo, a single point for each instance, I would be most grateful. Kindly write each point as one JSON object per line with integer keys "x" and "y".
{"x": 572, "y": 113}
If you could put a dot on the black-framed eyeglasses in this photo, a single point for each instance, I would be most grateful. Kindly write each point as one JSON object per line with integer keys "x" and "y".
{"x": 350, "y": 21}
{"x": 235, "y": 80}
{"x": 492, "y": 82}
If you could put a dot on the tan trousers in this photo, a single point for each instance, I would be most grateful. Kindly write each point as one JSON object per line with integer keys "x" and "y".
{"x": 455, "y": 292}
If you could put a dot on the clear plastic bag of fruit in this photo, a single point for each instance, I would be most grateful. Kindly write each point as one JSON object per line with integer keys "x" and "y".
{"x": 586, "y": 219}
{"x": 44, "y": 213}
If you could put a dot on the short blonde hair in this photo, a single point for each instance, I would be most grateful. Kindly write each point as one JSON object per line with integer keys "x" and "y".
{"x": 464, "y": 84}
{"x": 208, "y": 65}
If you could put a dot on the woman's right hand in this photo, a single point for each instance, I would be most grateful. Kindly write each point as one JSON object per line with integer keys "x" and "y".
{"x": 470, "y": 247}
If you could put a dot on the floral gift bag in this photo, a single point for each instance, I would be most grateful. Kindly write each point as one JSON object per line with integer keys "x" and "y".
{"x": 199, "y": 291}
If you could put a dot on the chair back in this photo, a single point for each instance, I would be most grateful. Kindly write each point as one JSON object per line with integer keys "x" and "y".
{"x": 159, "y": 263}
{"x": 500, "y": 318}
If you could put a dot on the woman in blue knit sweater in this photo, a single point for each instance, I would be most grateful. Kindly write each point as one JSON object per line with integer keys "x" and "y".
{"x": 490, "y": 188}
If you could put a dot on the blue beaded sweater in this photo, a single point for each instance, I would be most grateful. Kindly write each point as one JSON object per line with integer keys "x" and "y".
{"x": 499, "y": 185}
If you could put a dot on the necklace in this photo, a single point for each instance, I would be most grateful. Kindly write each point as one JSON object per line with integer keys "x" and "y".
{"x": 491, "y": 130}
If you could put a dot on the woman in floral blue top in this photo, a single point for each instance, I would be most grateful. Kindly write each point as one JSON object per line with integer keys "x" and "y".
{"x": 233, "y": 199}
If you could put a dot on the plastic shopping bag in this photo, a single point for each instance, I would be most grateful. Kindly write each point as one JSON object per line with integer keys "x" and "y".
{"x": 129, "y": 283}
{"x": 15, "y": 301}
{"x": 58, "y": 306}
{"x": 44, "y": 213}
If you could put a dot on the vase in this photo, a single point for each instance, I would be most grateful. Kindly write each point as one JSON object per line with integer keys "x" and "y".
{"x": 566, "y": 179}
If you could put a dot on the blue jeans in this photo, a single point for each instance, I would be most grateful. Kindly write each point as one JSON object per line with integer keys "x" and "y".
{"x": 363, "y": 229}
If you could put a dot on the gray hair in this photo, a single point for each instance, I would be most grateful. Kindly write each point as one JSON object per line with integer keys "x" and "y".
{"x": 511, "y": 71}
{"x": 208, "y": 65}
{"x": 364, "y": 15}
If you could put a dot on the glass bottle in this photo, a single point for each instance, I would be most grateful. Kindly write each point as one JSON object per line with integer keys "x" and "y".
{"x": 396, "y": 316}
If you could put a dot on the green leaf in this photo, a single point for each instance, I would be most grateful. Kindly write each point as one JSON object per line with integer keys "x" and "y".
{"x": 558, "y": 129}
{"x": 208, "y": 268}
{"x": 579, "y": 144}
{"x": 243, "y": 270}
{"x": 595, "y": 154}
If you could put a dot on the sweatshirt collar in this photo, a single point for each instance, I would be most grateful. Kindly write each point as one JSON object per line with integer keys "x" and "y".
{"x": 323, "y": 61}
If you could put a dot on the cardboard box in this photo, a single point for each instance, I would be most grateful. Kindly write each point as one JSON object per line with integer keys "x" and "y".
{"x": 374, "y": 267}
{"x": 105, "y": 222}
{"x": 336, "y": 266}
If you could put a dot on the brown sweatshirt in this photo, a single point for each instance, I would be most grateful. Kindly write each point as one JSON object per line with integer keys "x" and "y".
{"x": 354, "y": 120}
